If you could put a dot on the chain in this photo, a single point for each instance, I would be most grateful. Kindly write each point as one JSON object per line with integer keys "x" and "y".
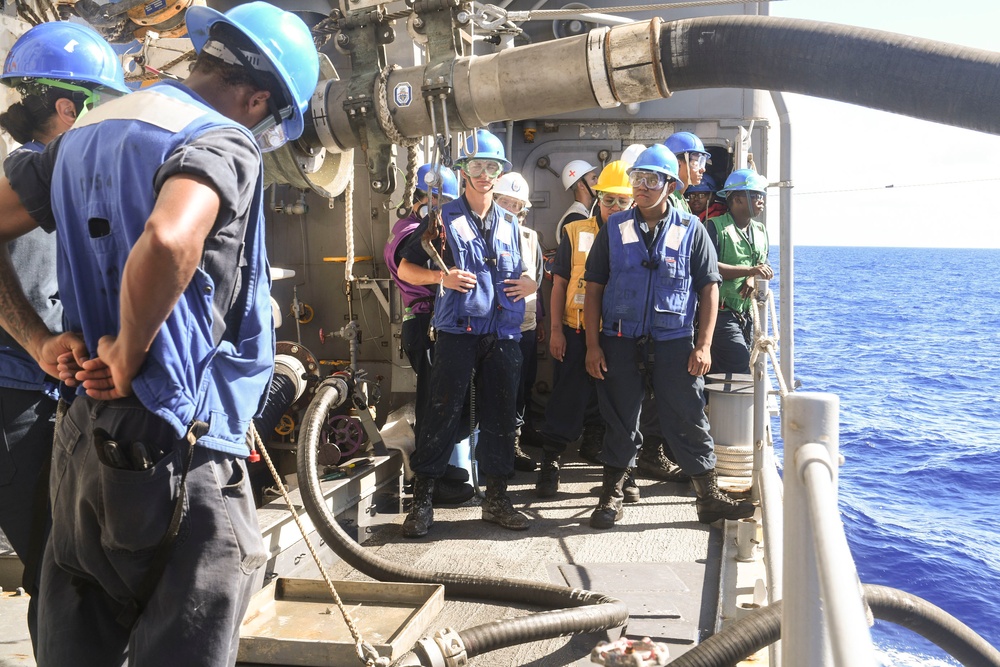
{"x": 366, "y": 652}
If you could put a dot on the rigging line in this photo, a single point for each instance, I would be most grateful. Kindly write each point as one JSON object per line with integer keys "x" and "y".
{"x": 894, "y": 186}
{"x": 542, "y": 14}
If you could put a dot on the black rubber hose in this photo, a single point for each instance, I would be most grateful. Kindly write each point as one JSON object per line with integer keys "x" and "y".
{"x": 935, "y": 81}
{"x": 576, "y": 610}
{"x": 933, "y": 623}
{"x": 762, "y": 628}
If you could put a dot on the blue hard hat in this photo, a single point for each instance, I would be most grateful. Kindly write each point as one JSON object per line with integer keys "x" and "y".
{"x": 744, "y": 180}
{"x": 281, "y": 37}
{"x": 707, "y": 184}
{"x": 685, "y": 142}
{"x": 657, "y": 158}
{"x": 67, "y": 52}
{"x": 445, "y": 182}
{"x": 486, "y": 147}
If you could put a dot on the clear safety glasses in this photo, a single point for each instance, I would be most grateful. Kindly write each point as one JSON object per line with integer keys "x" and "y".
{"x": 270, "y": 132}
{"x": 696, "y": 160}
{"x": 696, "y": 195}
{"x": 650, "y": 180}
{"x": 476, "y": 168}
{"x": 619, "y": 201}
{"x": 755, "y": 196}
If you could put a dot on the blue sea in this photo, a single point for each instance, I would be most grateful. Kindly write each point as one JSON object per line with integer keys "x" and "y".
{"x": 909, "y": 339}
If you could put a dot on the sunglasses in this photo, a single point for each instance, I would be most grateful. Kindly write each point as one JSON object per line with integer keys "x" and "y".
{"x": 476, "y": 168}
{"x": 611, "y": 201}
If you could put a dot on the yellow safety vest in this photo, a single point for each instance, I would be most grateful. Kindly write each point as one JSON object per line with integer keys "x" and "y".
{"x": 581, "y": 234}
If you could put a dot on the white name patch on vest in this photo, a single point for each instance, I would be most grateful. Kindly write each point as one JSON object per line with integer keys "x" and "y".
{"x": 463, "y": 229}
{"x": 674, "y": 237}
{"x": 628, "y": 232}
{"x": 585, "y": 241}
{"x": 502, "y": 234}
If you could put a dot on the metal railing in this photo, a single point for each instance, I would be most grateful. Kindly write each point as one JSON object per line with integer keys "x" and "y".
{"x": 808, "y": 561}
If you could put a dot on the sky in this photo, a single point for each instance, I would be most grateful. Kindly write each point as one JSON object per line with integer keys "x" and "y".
{"x": 844, "y": 156}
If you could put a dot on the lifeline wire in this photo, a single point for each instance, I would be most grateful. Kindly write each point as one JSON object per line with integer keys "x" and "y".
{"x": 362, "y": 647}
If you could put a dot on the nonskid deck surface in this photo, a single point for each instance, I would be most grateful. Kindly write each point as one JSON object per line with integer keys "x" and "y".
{"x": 658, "y": 559}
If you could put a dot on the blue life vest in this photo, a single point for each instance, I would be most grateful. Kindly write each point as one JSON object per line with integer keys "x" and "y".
{"x": 485, "y": 309}
{"x": 649, "y": 291}
{"x": 34, "y": 258}
{"x": 101, "y": 208}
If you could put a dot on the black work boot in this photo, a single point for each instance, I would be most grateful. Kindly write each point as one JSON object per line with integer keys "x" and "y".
{"x": 421, "y": 516}
{"x": 547, "y": 484}
{"x": 713, "y": 504}
{"x": 630, "y": 489}
{"x": 522, "y": 461}
{"x": 609, "y": 508}
{"x": 497, "y": 507}
{"x": 653, "y": 462}
{"x": 591, "y": 443}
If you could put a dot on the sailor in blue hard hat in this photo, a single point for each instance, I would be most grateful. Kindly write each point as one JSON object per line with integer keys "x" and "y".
{"x": 650, "y": 270}
{"x": 478, "y": 313}
{"x": 692, "y": 159}
{"x": 157, "y": 198}
{"x": 60, "y": 70}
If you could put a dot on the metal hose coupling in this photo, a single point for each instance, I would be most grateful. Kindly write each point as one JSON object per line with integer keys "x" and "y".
{"x": 444, "y": 648}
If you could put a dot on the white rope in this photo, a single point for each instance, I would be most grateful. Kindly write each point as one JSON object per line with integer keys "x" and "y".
{"x": 349, "y": 229}
{"x": 764, "y": 344}
{"x": 366, "y": 652}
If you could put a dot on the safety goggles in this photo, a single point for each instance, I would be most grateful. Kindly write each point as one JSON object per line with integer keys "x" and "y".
{"x": 477, "y": 168}
{"x": 515, "y": 206}
{"x": 651, "y": 180}
{"x": 611, "y": 201}
{"x": 696, "y": 160}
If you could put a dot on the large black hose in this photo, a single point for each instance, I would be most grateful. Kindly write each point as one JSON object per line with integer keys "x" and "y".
{"x": 935, "y": 81}
{"x": 575, "y": 610}
{"x": 763, "y": 627}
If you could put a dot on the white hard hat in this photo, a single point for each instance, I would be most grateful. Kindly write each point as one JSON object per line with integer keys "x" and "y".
{"x": 631, "y": 152}
{"x": 574, "y": 171}
{"x": 513, "y": 185}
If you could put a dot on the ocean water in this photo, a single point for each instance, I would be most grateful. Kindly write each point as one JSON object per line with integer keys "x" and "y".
{"x": 910, "y": 341}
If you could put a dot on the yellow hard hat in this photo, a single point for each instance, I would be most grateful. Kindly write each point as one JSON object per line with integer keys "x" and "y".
{"x": 614, "y": 179}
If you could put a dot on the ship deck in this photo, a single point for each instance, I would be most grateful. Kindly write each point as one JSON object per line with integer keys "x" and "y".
{"x": 659, "y": 560}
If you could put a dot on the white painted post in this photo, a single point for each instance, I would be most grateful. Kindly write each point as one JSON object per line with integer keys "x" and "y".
{"x": 806, "y": 417}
